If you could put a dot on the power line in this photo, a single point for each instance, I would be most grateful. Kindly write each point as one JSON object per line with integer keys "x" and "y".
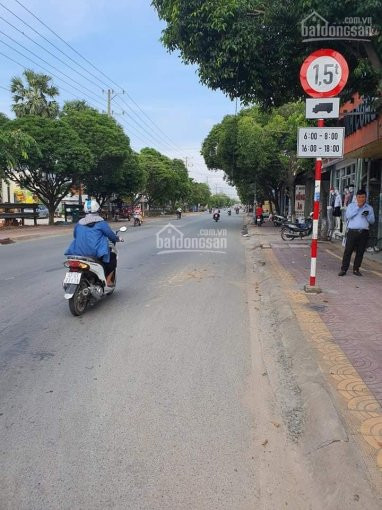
{"x": 174, "y": 147}
{"x": 47, "y": 51}
{"x": 45, "y": 69}
{"x": 49, "y": 42}
{"x": 37, "y": 32}
{"x": 67, "y": 44}
{"x": 43, "y": 60}
{"x": 153, "y": 135}
{"x": 94, "y": 67}
{"x": 23, "y": 66}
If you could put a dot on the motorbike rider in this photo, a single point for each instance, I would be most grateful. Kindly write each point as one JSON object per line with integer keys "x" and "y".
{"x": 91, "y": 239}
{"x": 138, "y": 216}
{"x": 179, "y": 212}
{"x": 259, "y": 213}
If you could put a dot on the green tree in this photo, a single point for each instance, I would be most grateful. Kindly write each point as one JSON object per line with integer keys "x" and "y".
{"x": 253, "y": 50}
{"x": 35, "y": 97}
{"x": 220, "y": 200}
{"x": 14, "y": 147}
{"x": 257, "y": 150}
{"x": 49, "y": 160}
{"x": 76, "y": 105}
{"x": 199, "y": 193}
{"x": 113, "y": 158}
{"x": 167, "y": 179}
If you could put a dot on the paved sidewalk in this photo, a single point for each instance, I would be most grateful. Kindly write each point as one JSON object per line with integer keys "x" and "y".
{"x": 349, "y": 306}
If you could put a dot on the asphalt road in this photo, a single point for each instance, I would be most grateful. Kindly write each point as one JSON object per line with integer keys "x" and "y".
{"x": 139, "y": 404}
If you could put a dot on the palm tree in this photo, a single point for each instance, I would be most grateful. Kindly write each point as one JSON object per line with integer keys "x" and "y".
{"x": 34, "y": 97}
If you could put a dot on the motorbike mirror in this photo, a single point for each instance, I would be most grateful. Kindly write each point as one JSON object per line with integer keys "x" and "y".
{"x": 123, "y": 229}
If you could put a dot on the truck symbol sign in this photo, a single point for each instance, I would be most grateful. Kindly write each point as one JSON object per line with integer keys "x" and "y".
{"x": 323, "y": 107}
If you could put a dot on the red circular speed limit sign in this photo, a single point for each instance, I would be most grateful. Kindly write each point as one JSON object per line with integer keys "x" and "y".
{"x": 324, "y": 73}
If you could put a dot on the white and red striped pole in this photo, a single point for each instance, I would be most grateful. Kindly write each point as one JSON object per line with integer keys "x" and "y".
{"x": 316, "y": 213}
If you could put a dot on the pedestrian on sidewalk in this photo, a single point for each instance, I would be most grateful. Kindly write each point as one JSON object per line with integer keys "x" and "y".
{"x": 359, "y": 216}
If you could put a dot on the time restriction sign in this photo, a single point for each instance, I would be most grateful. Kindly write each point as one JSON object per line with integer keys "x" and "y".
{"x": 324, "y": 73}
{"x": 320, "y": 142}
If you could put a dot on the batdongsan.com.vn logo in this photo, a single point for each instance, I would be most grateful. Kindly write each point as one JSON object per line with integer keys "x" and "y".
{"x": 316, "y": 28}
{"x": 172, "y": 240}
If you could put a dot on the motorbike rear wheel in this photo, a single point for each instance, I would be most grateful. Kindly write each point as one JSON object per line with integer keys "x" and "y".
{"x": 286, "y": 235}
{"x": 79, "y": 302}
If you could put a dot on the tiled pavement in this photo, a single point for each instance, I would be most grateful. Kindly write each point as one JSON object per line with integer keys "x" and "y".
{"x": 350, "y": 306}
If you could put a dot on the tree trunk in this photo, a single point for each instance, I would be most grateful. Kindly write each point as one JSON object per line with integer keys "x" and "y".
{"x": 291, "y": 179}
{"x": 52, "y": 210}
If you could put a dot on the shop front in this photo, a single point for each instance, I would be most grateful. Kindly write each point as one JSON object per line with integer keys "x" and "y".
{"x": 361, "y": 166}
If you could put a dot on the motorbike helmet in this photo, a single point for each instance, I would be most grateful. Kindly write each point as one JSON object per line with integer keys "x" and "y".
{"x": 91, "y": 206}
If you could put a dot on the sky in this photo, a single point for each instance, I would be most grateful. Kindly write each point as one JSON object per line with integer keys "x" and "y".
{"x": 164, "y": 105}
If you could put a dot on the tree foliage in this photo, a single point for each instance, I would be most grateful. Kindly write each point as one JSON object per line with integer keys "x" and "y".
{"x": 115, "y": 167}
{"x": 35, "y": 97}
{"x": 253, "y": 50}
{"x": 220, "y": 200}
{"x": 76, "y": 105}
{"x": 167, "y": 179}
{"x": 257, "y": 150}
{"x": 46, "y": 156}
{"x": 200, "y": 193}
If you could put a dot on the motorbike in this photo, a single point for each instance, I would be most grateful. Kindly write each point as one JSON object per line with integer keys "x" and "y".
{"x": 259, "y": 220}
{"x": 216, "y": 216}
{"x": 292, "y": 231}
{"x": 279, "y": 220}
{"x": 178, "y": 215}
{"x": 237, "y": 211}
{"x": 137, "y": 220}
{"x": 85, "y": 282}
{"x": 229, "y": 212}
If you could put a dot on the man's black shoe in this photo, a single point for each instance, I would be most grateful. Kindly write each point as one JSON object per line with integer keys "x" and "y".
{"x": 357, "y": 272}
{"x": 342, "y": 273}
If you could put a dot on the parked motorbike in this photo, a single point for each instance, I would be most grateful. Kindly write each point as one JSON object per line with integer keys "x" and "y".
{"x": 216, "y": 216}
{"x": 292, "y": 231}
{"x": 85, "y": 282}
{"x": 279, "y": 220}
{"x": 229, "y": 212}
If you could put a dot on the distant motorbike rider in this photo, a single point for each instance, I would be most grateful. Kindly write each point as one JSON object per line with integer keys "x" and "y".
{"x": 179, "y": 213}
{"x": 91, "y": 239}
{"x": 216, "y": 213}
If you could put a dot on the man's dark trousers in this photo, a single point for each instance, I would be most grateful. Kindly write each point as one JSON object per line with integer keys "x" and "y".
{"x": 355, "y": 240}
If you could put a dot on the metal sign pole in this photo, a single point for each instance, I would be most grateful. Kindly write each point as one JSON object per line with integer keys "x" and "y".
{"x": 316, "y": 214}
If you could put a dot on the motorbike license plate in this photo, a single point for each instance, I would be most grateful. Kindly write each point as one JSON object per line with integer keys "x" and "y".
{"x": 72, "y": 278}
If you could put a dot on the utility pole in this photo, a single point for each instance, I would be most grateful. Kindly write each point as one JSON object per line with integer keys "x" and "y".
{"x": 110, "y": 96}
{"x": 109, "y": 93}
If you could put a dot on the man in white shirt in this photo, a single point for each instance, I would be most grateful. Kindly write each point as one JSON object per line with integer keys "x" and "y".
{"x": 360, "y": 216}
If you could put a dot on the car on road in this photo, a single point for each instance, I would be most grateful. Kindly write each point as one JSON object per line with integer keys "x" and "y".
{"x": 41, "y": 210}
